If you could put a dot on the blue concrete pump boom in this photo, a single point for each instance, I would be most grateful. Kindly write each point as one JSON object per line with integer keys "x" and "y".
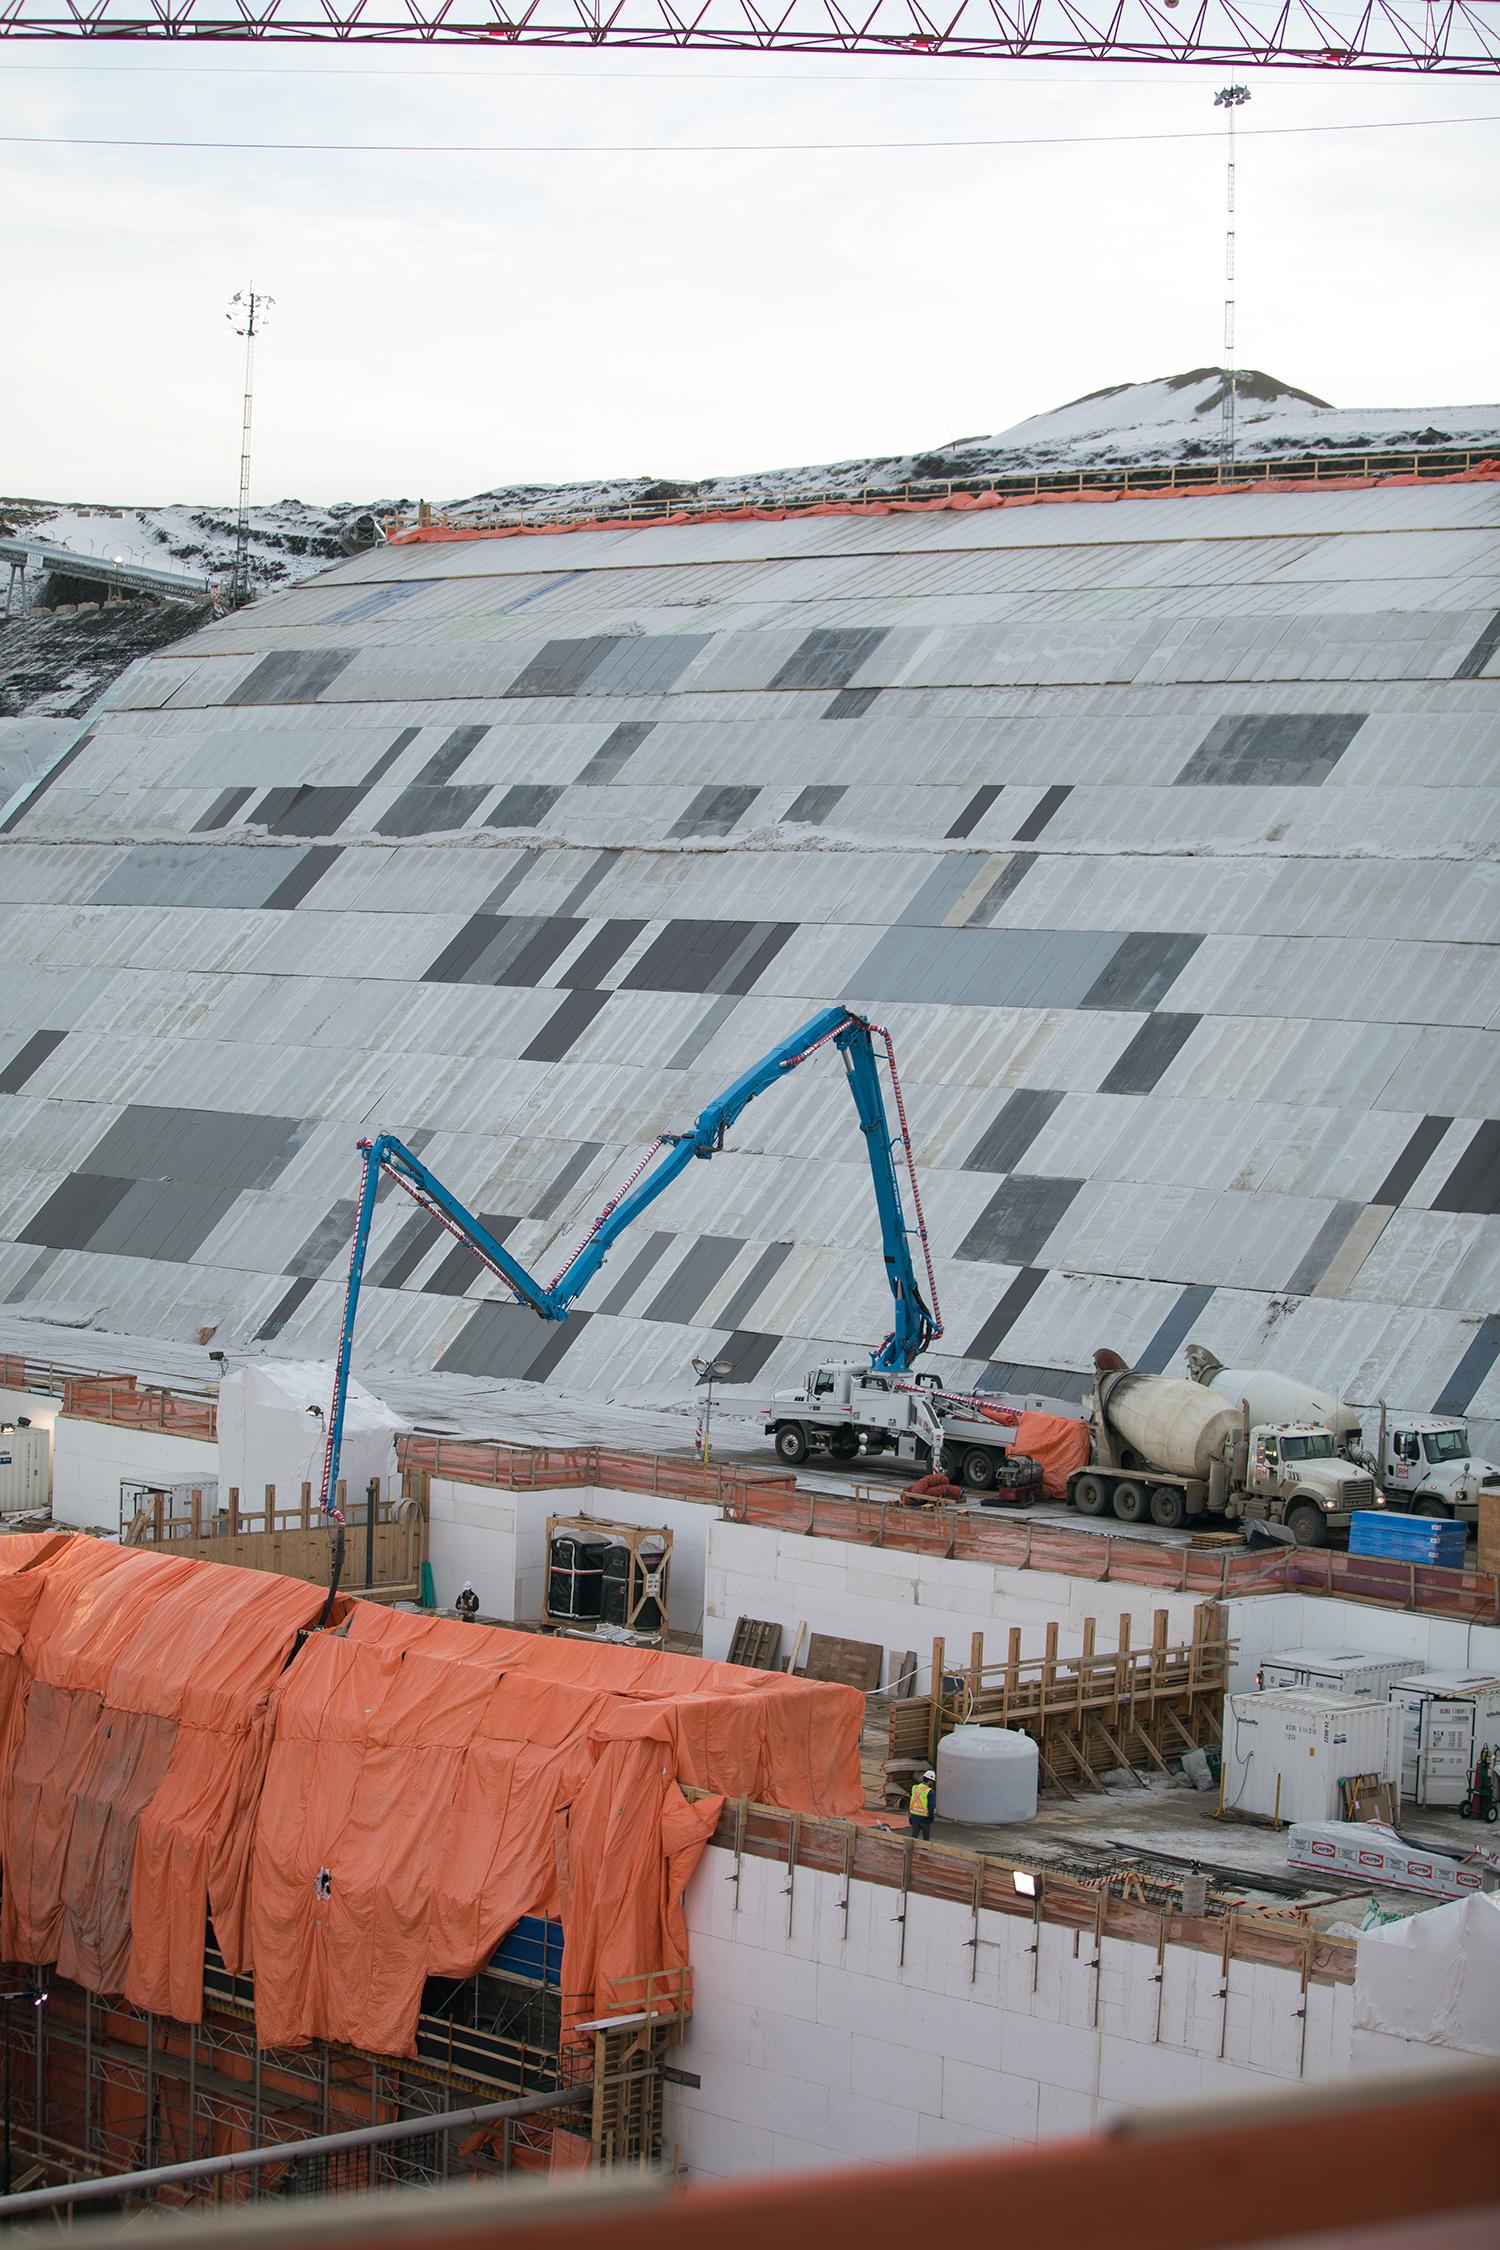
{"x": 917, "y": 1321}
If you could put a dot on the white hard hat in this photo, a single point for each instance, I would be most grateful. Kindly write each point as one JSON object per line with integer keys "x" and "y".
{"x": 929, "y": 1775}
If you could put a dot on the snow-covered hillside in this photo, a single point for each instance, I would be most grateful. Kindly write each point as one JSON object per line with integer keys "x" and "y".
{"x": 1173, "y": 418}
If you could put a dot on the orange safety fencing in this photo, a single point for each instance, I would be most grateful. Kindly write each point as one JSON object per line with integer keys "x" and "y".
{"x": 116, "y": 1398}
{"x": 364, "y": 1807}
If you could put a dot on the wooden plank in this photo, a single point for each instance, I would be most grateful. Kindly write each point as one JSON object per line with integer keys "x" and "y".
{"x": 853, "y": 1664}
{"x": 756, "y": 1642}
{"x": 901, "y": 1677}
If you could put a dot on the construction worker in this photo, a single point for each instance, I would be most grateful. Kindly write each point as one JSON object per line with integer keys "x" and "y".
{"x": 920, "y": 1810}
{"x": 467, "y": 1604}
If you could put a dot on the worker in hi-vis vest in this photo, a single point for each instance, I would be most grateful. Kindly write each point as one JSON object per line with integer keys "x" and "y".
{"x": 920, "y": 1809}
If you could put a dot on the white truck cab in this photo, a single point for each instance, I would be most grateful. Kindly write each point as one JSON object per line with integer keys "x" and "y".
{"x": 1426, "y": 1466}
{"x": 843, "y": 1407}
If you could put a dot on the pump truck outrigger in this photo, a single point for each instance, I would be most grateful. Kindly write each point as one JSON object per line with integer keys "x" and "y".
{"x": 916, "y": 1323}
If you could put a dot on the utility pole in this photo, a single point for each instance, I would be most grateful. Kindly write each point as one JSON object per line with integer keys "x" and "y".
{"x": 1229, "y": 99}
{"x": 246, "y": 316}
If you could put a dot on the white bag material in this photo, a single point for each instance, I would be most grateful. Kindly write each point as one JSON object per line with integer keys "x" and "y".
{"x": 1431, "y": 1980}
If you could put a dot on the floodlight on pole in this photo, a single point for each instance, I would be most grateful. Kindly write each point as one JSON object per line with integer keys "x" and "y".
{"x": 246, "y": 316}
{"x": 708, "y": 1372}
{"x": 1229, "y": 99}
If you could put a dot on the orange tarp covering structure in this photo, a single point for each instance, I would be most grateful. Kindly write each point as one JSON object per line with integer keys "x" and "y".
{"x": 382, "y": 1809}
{"x": 1059, "y": 1443}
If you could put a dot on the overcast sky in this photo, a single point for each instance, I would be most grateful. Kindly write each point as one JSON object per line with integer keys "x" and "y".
{"x": 447, "y": 322}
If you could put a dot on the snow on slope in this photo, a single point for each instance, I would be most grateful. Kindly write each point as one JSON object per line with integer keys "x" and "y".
{"x": 1173, "y": 418}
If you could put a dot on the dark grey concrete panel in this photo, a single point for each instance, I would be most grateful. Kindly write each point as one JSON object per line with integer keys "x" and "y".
{"x": 629, "y": 1279}
{"x": 29, "y": 1058}
{"x": 1174, "y": 1330}
{"x": 544, "y": 942}
{"x": 564, "y": 1025}
{"x": 456, "y": 1274}
{"x": 222, "y": 811}
{"x": 311, "y": 867}
{"x": 601, "y": 953}
{"x": 379, "y": 599}
{"x": 550, "y": 1202}
{"x": 984, "y": 968}
{"x": 812, "y": 805}
{"x": 462, "y": 951}
{"x": 1005, "y": 1141}
{"x": 387, "y": 758}
{"x": 523, "y": 806}
{"x": 749, "y": 962}
{"x": 74, "y": 1212}
{"x": 291, "y": 675}
{"x": 989, "y": 1336}
{"x": 644, "y": 664}
{"x": 1322, "y": 1250}
{"x": 1482, "y": 654}
{"x": 708, "y": 956}
{"x": 756, "y": 1281}
{"x": 1154, "y": 1048}
{"x": 934, "y": 899}
{"x": 418, "y": 1234}
{"x": 307, "y": 810}
{"x": 613, "y": 753}
{"x": 592, "y": 876}
{"x": 32, "y": 1277}
{"x": 1144, "y": 969}
{"x": 515, "y": 875}
{"x": 329, "y": 1239}
{"x": 424, "y": 811}
{"x": 852, "y": 703}
{"x": 714, "y": 811}
{"x": 1051, "y": 801}
{"x": 43, "y": 782}
{"x": 560, "y": 667}
{"x": 1404, "y": 1173}
{"x": 830, "y": 657}
{"x": 450, "y": 754}
{"x": 1285, "y": 749}
{"x": 282, "y": 1311}
{"x": 209, "y": 875}
{"x": 974, "y": 812}
{"x": 1015, "y": 870}
{"x": 217, "y": 1148}
{"x": 1474, "y": 1182}
{"x": 1013, "y": 1227}
{"x": 1457, "y": 1394}
{"x": 509, "y": 1340}
{"x": 713, "y": 1018}
{"x": 747, "y": 1353}
{"x": 705, "y": 1265}
{"x": 163, "y": 1218}
{"x": 1035, "y": 1382}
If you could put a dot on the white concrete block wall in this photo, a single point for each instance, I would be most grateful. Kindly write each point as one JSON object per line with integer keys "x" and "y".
{"x": 498, "y": 1539}
{"x": 904, "y": 1601}
{"x": 1265, "y": 1624}
{"x": 91, "y": 1459}
{"x": 823, "y": 2046}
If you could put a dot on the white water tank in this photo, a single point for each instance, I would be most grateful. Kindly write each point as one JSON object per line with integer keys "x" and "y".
{"x": 986, "y": 1774}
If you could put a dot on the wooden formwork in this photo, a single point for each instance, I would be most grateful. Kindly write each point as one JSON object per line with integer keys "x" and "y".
{"x": 1087, "y": 1714}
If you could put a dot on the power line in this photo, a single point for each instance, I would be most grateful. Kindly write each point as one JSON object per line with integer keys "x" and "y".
{"x": 700, "y": 148}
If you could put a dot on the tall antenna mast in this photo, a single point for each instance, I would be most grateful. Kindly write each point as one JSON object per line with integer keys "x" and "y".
{"x": 246, "y": 316}
{"x": 1229, "y": 99}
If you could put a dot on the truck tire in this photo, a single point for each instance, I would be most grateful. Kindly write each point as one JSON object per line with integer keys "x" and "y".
{"x": 791, "y": 1442}
{"x": 951, "y": 1463}
{"x": 1423, "y": 1506}
{"x": 1168, "y": 1507}
{"x": 1131, "y": 1502}
{"x": 977, "y": 1468}
{"x": 1305, "y": 1522}
{"x": 843, "y": 1445}
{"x": 1090, "y": 1494}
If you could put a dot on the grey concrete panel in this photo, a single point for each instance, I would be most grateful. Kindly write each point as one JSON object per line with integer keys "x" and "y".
{"x": 811, "y": 806}
{"x": 456, "y": 1274}
{"x": 935, "y": 898}
{"x": 1323, "y": 1249}
{"x": 166, "y": 1219}
{"x": 1144, "y": 969}
{"x": 329, "y": 1239}
{"x": 1002, "y": 1145}
{"x": 1287, "y": 749}
{"x": 458, "y": 956}
{"x": 216, "y": 875}
{"x": 306, "y": 811}
{"x": 985, "y": 968}
{"x": 715, "y": 810}
{"x": 510, "y": 1341}
{"x": 645, "y": 664}
{"x": 601, "y": 953}
{"x": 1474, "y": 1182}
{"x": 387, "y": 758}
{"x": 217, "y": 1148}
{"x": 1413, "y": 1160}
{"x": 974, "y": 811}
{"x": 1013, "y": 1377}
{"x": 589, "y": 881}
{"x": 565, "y": 1024}
{"x": 1014, "y": 1225}
{"x": 548, "y": 1204}
{"x": 282, "y": 1311}
{"x": 222, "y": 811}
{"x": 1479, "y": 658}
{"x": 1174, "y": 1330}
{"x": 706, "y": 1264}
{"x": 1015, "y": 871}
{"x": 376, "y": 602}
{"x": 539, "y": 944}
{"x": 1457, "y": 1394}
{"x": 74, "y": 1212}
{"x": 1154, "y": 1048}
{"x": 747, "y": 1353}
{"x": 829, "y": 657}
{"x": 560, "y": 668}
{"x": 764, "y": 1271}
{"x": 450, "y": 754}
{"x": 523, "y": 806}
{"x": 991, "y": 1333}
{"x": 29, "y": 1058}
{"x": 312, "y": 865}
{"x": 634, "y": 1272}
{"x": 692, "y": 956}
{"x": 419, "y": 1233}
{"x": 291, "y": 676}
{"x": 615, "y": 752}
{"x": 43, "y": 782}
{"x": 424, "y": 811}
{"x": 1051, "y": 801}
{"x": 514, "y": 876}
{"x": 852, "y": 703}
{"x": 712, "y": 1020}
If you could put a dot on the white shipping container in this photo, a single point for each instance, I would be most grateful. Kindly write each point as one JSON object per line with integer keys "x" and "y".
{"x": 1287, "y": 1749}
{"x": 25, "y": 1469}
{"x": 1347, "y": 1671}
{"x": 1447, "y": 1719}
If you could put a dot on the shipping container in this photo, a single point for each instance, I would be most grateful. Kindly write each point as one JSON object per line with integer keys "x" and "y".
{"x": 1447, "y": 1719}
{"x": 1345, "y": 1671}
{"x": 1287, "y": 1749}
{"x": 25, "y": 1468}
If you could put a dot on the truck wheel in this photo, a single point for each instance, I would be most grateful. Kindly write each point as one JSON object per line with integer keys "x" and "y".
{"x": 1090, "y": 1495}
{"x": 1169, "y": 1507}
{"x": 1422, "y": 1506}
{"x": 791, "y": 1442}
{"x": 1131, "y": 1504}
{"x": 1306, "y": 1525}
{"x": 843, "y": 1445}
{"x": 951, "y": 1463}
{"x": 977, "y": 1468}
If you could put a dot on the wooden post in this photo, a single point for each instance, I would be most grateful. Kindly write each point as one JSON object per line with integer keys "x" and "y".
{"x": 158, "y": 1502}
{"x": 306, "y": 1506}
{"x": 1012, "y": 1672}
{"x": 270, "y": 1508}
{"x": 195, "y": 1502}
{"x": 935, "y": 1730}
{"x": 976, "y": 1667}
{"x": 1049, "y": 1670}
{"x": 234, "y": 1510}
{"x": 1086, "y": 1668}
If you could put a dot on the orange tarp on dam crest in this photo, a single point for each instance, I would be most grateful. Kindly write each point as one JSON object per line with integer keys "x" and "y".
{"x": 378, "y": 1807}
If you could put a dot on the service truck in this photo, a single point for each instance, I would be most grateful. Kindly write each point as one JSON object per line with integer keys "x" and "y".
{"x": 843, "y": 1408}
{"x": 1167, "y": 1452}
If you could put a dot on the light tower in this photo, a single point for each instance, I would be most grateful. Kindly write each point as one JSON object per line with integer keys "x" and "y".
{"x": 246, "y": 316}
{"x": 1229, "y": 99}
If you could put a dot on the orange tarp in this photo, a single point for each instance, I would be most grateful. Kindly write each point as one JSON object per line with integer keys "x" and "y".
{"x": 381, "y": 1809}
{"x": 1059, "y": 1443}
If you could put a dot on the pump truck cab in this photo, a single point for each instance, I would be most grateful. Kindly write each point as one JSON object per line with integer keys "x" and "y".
{"x": 1169, "y": 1452}
{"x": 847, "y": 1406}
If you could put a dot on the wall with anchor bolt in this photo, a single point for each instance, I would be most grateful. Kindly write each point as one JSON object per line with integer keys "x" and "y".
{"x": 822, "y": 2038}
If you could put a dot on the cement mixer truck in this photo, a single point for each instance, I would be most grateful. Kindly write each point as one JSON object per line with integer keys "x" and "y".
{"x": 1170, "y": 1452}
